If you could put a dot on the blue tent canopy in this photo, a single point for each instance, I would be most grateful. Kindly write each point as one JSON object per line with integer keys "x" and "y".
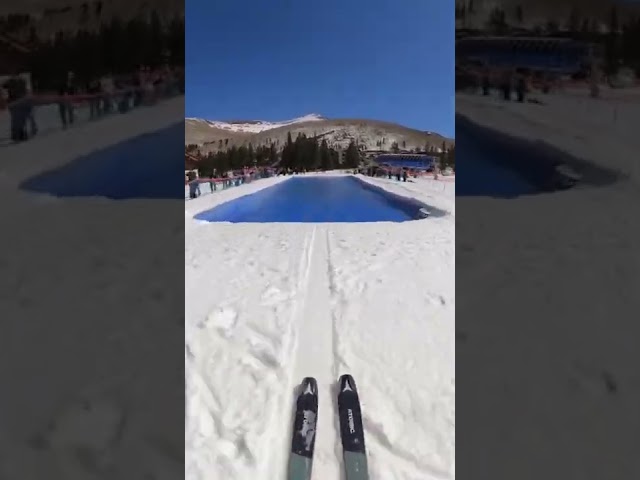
{"x": 416, "y": 162}
{"x": 550, "y": 54}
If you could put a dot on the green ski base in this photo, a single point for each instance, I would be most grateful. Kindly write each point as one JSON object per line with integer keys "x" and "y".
{"x": 299, "y": 467}
{"x": 355, "y": 466}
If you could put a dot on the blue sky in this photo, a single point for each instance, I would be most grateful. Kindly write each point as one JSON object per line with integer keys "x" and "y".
{"x": 279, "y": 59}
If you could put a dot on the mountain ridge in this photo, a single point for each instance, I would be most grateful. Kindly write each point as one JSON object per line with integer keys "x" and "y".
{"x": 213, "y": 135}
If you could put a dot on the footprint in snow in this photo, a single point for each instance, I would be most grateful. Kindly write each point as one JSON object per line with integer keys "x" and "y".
{"x": 223, "y": 319}
{"x": 273, "y": 296}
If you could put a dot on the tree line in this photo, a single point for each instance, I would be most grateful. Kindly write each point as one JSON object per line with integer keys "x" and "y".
{"x": 447, "y": 157}
{"x": 621, "y": 41}
{"x": 116, "y": 47}
{"x": 303, "y": 153}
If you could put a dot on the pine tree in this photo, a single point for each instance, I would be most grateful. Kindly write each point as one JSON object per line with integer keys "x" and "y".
{"x": 273, "y": 154}
{"x": 573, "y": 23}
{"x": 451, "y": 157}
{"x": 497, "y": 21}
{"x": 519, "y": 14}
{"x": 251, "y": 157}
{"x": 352, "y": 156}
{"x": 325, "y": 160}
{"x": 612, "y": 42}
{"x": 585, "y": 29}
{"x": 442, "y": 160}
{"x": 288, "y": 153}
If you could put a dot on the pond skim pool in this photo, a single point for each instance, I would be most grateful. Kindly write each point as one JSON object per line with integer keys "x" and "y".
{"x": 344, "y": 199}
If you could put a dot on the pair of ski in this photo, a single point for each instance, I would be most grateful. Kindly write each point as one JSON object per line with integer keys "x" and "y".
{"x": 351, "y": 430}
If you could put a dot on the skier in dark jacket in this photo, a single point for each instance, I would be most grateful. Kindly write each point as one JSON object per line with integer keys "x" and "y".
{"x": 18, "y": 107}
{"x": 521, "y": 87}
{"x": 65, "y": 104}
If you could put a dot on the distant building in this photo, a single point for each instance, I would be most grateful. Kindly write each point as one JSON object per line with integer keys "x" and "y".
{"x": 416, "y": 161}
{"x": 549, "y": 54}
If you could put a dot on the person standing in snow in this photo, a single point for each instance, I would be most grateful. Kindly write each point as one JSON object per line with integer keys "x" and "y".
{"x": 65, "y": 102}
{"x": 16, "y": 88}
{"x": 521, "y": 87}
{"x": 485, "y": 82}
{"x": 93, "y": 88}
{"x": 30, "y": 111}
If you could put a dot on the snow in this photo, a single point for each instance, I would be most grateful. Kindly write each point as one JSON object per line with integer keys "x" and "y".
{"x": 258, "y": 125}
{"x": 268, "y": 304}
{"x": 561, "y": 271}
{"x": 602, "y": 131}
{"x": 74, "y": 367}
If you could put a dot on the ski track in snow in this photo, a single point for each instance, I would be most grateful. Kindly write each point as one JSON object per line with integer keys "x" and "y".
{"x": 405, "y": 365}
{"x": 234, "y": 351}
{"x": 374, "y": 300}
{"x": 316, "y": 356}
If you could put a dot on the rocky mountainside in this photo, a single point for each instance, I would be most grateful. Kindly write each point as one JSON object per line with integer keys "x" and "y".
{"x": 212, "y": 136}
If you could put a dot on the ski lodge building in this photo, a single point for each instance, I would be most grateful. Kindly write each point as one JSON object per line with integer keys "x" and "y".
{"x": 414, "y": 161}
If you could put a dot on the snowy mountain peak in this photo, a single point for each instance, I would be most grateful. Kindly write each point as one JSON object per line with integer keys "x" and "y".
{"x": 256, "y": 126}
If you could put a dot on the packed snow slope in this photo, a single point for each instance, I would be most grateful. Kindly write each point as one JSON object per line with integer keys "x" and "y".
{"x": 83, "y": 384}
{"x": 268, "y": 304}
{"x": 212, "y": 136}
{"x": 550, "y": 285}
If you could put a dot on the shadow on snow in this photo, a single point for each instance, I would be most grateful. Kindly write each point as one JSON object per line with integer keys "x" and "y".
{"x": 148, "y": 166}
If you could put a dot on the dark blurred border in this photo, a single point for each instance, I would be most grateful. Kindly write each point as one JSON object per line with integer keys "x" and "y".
{"x": 92, "y": 242}
{"x": 547, "y": 103}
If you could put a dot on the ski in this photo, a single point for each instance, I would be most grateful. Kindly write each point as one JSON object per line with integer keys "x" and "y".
{"x": 351, "y": 430}
{"x": 304, "y": 431}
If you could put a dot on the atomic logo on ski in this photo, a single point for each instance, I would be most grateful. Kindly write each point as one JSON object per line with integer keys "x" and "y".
{"x": 351, "y": 430}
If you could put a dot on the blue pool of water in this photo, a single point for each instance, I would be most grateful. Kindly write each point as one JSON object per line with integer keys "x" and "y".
{"x": 493, "y": 163}
{"x": 145, "y": 166}
{"x": 318, "y": 200}
{"x": 479, "y": 174}
{"x": 483, "y": 168}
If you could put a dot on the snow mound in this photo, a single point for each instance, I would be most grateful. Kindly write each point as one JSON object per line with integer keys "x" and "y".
{"x": 257, "y": 126}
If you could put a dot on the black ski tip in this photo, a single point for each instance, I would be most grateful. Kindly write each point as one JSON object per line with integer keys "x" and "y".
{"x": 309, "y": 385}
{"x": 347, "y": 383}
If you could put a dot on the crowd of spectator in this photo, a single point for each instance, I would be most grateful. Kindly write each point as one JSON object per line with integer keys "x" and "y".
{"x": 87, "y": 62}
{"x": 101, "y": 95}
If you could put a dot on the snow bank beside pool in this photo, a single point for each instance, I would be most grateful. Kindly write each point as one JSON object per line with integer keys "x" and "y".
{"x": 435, "y": 193}
{"x": 583, "y": 128}
{"x": 206, "y": 202}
